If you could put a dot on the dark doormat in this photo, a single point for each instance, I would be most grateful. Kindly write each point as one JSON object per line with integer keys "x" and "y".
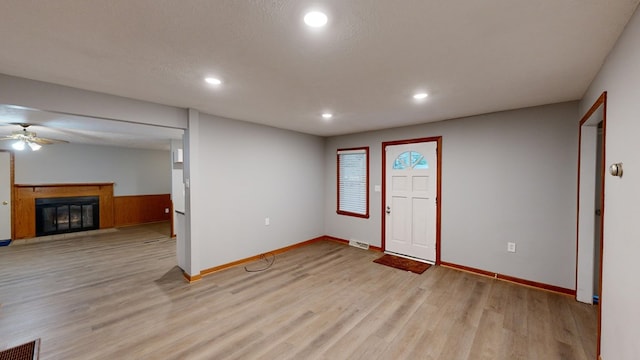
{"x": 402, "y": 263}
{"x": 28, "y": 351}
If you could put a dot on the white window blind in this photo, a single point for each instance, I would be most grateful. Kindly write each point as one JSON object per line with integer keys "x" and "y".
{"x": 353, "y": 182}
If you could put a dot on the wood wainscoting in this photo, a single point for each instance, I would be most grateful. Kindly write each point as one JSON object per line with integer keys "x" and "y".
{"x": 140, "y": 209}
{"x": 25, "y": 196}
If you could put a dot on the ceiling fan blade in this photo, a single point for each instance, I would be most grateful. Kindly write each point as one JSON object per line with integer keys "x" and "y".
{"x": 44, "y": 141}
{"x": 30, "y": 136}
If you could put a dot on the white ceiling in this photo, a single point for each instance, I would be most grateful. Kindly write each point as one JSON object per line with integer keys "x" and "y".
{"x": 471, "y": 56}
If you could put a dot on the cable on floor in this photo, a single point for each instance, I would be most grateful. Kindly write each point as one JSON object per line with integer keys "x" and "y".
{"x": 264, "y": 257}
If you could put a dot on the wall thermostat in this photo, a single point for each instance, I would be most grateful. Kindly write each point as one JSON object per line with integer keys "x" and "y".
{"x": 616, "y": 169}
{"x": 177, "y": 156}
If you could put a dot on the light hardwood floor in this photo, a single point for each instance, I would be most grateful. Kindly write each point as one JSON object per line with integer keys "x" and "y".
{"x": 119, "y": 295}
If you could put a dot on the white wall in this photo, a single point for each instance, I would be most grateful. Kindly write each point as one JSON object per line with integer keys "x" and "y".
{"x": 245, "y": 173}
{"x": 586, "y": 218}
{"x": 508, "y": 176}
{"x": 620, "y": 77}
{"x": 177, "y": 180}
{"x": 134, "y": 171}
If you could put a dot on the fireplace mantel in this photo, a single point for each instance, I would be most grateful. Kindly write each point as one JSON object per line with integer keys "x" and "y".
{"x": 25, "y": 196}
{"x": 61, "y": 185}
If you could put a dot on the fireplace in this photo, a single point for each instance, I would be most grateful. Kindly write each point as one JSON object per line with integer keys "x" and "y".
{"x": 67, "y": 214}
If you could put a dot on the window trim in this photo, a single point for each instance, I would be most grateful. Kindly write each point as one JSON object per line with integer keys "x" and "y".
{"x": 349, "y": 213}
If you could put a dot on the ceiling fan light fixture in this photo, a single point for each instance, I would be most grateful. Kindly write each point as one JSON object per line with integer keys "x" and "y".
{"x": 23, "y": 138}
{"x": 18, "y": 145}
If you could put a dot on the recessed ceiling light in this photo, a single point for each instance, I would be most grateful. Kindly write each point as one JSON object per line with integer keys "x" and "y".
{"x": 327, "y": 116}
{"x": 213, "y": 81}
{"x": 420, "y": 96}
{"x": 315, "y": 19}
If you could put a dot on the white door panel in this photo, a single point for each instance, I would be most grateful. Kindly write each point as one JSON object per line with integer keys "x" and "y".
{"x": 399, "y": 221}
{"x": 5, "y": 195}
{"x": 420, "y": 212}
{"x": 410, "y": 223}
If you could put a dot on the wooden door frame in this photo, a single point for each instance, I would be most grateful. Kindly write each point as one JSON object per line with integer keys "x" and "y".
{"x": 438, "y": 140}
{"x": 601, "y": 101}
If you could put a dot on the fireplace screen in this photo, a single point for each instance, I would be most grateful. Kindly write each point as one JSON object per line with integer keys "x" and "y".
{"x": 62, "y": 215}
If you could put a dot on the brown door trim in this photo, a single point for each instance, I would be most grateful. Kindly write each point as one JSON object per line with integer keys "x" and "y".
{"x": 437, "y": 139}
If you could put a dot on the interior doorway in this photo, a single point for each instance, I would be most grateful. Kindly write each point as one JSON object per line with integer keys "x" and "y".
{"x": 6, "y": 201}
{"x": 90, "y": 130}
{"x": 591, "y": 211}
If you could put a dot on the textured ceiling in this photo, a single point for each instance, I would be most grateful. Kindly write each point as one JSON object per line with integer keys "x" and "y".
{"x": 471, "y": 56}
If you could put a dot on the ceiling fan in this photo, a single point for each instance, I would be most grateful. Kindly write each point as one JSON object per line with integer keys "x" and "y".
{"x": 29, "y": 138}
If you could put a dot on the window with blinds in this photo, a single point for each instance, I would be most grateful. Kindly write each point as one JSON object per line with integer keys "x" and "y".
{"x": 353, "y": 182}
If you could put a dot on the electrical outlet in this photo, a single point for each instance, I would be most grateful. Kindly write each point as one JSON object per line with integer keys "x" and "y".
{"x": 511, "y": 247}
{"x": 267, "y": 221}
{"x": 166, "y": 210}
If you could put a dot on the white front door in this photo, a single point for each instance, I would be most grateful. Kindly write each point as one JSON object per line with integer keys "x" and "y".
{"x": 5, "y": 196}
{"x": 410, "y": 200}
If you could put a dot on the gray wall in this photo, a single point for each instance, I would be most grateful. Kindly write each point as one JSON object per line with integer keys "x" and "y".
{"x": 248, "y": 172}
{"x": 620, "y": 77}
{"x": 508, "y": 176}
{"x": 63, "y": 99}
{"x": 134, "y": 171}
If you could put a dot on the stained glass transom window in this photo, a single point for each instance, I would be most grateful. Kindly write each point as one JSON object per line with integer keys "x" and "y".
{"x": 410, "y": 160}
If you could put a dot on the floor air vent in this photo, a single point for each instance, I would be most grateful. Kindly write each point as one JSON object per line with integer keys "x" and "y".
{"x": 359, "y": 244}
